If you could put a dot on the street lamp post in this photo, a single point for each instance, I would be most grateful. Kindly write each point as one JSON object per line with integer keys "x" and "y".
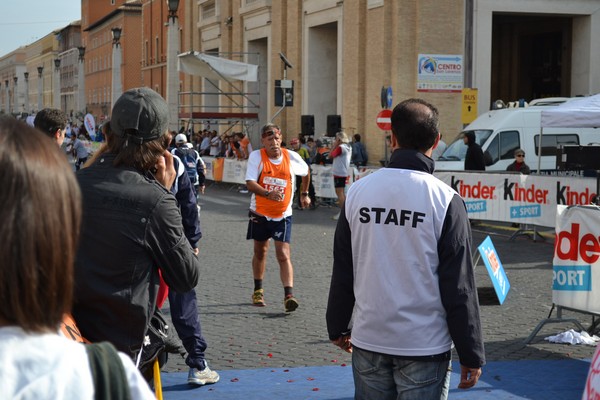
{"x": 15, "y": 96}
{"x": 172, "y": 73}
{"x": 56, "y": 86}
{"x": 81, "y": 81}
{"x": 40, "y": 88}
{"x": 116, "y": 66}
{"x": 26, "y": 76}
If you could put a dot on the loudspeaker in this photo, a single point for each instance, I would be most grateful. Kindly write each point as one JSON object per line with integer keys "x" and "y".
{"x": 308, "y": 125}
{"x": 334, "y": 124}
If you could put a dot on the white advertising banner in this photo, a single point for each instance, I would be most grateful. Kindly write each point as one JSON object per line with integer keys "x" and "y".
{"x": 527, "y": 199}
{"x": 576, "y": 258}
{"x": 234, "y": 171}
{"x": 323, "y": 181}
{"x": 208, "y": 173}
{"x": 90, "y": 125}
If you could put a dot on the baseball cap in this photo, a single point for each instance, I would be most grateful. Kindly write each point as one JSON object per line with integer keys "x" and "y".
{"x": 180, "y": 138}
{"x": 142, "y": 110}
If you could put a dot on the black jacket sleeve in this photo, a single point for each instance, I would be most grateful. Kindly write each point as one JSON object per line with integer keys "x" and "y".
{"x": 170, "y": 248}
{"x": 457, "y": 285}
{"x": 341, "y": 291}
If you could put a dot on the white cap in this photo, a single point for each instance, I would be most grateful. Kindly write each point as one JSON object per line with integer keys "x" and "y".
{"x": 180, "y": 138}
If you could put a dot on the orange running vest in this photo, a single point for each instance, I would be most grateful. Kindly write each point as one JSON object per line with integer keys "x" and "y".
{"x": 276, "y": 178}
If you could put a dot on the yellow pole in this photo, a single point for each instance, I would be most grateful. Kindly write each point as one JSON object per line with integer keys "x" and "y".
{"x": 157, "y": 384}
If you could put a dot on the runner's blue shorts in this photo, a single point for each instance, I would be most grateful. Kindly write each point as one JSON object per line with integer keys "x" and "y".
{"x": 261, "y": 229}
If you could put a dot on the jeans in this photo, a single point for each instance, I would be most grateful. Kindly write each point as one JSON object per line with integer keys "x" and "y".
{"x": 386, "y": 377}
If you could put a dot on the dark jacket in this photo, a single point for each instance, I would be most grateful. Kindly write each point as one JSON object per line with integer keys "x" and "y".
{"x": 131, "y": 228}
{"x": 457, "y": 289}
{"x": 524, "y": 168}
{"x": 186, "y": 198}
{"x": 474, "y": 159}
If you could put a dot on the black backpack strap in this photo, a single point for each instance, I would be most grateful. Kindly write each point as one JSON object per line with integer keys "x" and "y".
{"x": 108, "y": 373}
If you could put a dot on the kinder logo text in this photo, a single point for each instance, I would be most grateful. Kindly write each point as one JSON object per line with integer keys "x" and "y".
{"x": 571, "y": 245}
{"x": 566, "y": 195}
{"x": 475, "y": 191}
{"x": 515, "y": 192}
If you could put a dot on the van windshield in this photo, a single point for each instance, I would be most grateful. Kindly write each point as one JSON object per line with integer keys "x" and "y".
{"x": 457, "y": 150}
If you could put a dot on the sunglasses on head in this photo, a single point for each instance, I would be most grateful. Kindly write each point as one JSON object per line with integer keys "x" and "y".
{"x": 520, "y": 155}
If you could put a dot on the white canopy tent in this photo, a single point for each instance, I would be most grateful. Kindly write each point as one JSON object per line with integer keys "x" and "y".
{"x": 216, "y": 68}
{"x": 577, "y": 113}
{"x": 241, "y": 107}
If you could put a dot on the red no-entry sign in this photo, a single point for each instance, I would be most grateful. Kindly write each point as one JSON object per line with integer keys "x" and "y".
{"x": 384, "y": 120}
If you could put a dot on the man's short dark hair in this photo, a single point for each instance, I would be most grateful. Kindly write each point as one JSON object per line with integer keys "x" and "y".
{"x": 415, "y": 124}
{"x": 49, "y": 120}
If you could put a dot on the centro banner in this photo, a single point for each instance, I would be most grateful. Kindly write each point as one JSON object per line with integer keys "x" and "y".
{"x": 526, "y": 199}
{"x": 576, "y": 255}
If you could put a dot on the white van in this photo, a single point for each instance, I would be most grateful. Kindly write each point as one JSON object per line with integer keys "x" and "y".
{"x": 501, "y": 132}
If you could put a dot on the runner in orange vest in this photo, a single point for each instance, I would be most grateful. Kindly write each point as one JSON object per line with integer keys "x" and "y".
{"x": 270, "y": 177}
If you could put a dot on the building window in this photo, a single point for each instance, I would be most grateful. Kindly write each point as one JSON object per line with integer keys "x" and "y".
{"x": 374, "y": 3}
{"x": 156, "y": 52}
{"x": 146, "y": 53}
{"x": 208, "y": 10}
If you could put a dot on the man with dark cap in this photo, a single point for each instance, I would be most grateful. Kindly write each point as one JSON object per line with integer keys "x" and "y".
{"x": 131, "y": 227}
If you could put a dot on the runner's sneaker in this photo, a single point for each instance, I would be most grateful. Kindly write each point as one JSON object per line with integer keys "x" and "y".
{"x": 258, "y": 298}
{"x": 204, "y": 377}
{"x": 290, "y": 303}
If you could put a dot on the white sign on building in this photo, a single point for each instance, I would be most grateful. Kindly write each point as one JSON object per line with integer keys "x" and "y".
{"x": 440, "y": 73}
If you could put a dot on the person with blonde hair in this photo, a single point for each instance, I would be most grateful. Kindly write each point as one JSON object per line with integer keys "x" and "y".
{"x": 341, "y": 153}
{"x": 39, "y": 241}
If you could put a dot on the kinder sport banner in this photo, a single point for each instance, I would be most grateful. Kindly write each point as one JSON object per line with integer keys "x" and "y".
{"x": 576, "y": 258}
{"x": 526, "y": 199}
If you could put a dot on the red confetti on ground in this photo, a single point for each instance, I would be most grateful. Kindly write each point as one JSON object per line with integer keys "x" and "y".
{"x": 290, "y": 380}
{"x": 334, "y": 360}
{"x": 286, "y": 370}
{"x": 344, "y": 364}
{"x": 270, "y": 355}
{"x": 315, "y": 389}
{"x": 310, "y": 379}
{"x": 234, "y": 380}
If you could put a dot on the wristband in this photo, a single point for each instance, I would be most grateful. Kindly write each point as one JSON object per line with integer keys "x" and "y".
{"x": 267, "y": 193}
{"x": 304, "y": 193}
